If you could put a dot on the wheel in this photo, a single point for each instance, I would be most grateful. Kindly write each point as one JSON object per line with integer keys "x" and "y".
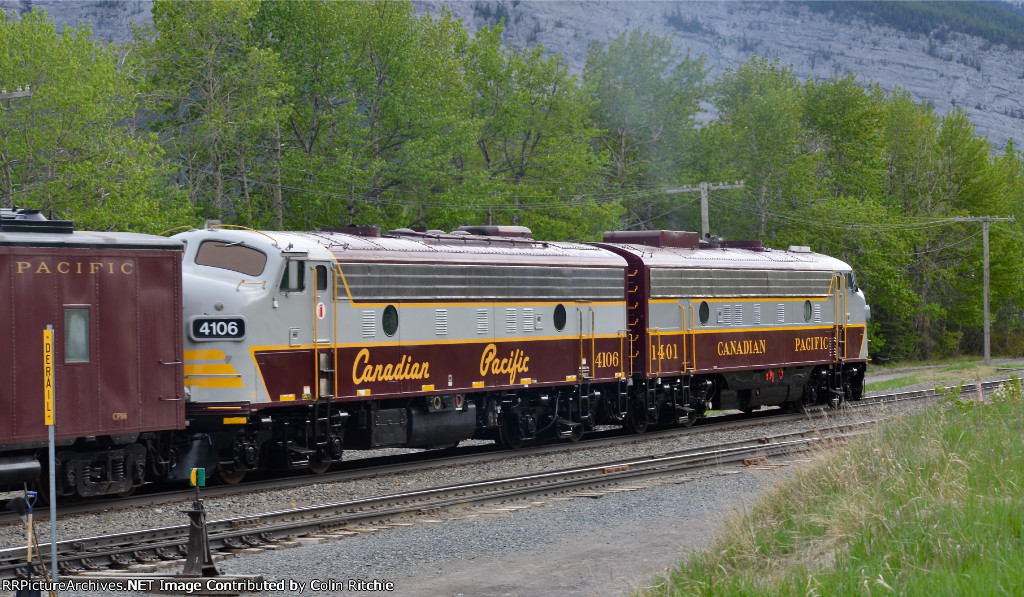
{"x": 794, "y": 407}
{"x": 510, "y": 434}
{"x": 577, "y": 433}
{"x": 231, "y": 477}
{"x": 636, "y": 417}
{"x": 128, "y": 492}
{"x": 318, "y": 467}
{"x": 748, "y": 409}
{"x": 689, "y": 419}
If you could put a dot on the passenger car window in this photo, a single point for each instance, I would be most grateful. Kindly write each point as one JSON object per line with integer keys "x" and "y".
{"x": 76, "y": 335}
{"x": 231, "y": 256}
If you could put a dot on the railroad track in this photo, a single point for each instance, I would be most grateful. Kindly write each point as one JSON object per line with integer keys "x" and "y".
{"x": 141, "y": 550}
{"x": 153, "y": 549}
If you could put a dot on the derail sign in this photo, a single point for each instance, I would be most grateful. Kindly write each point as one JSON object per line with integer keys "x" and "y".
{"x": 48, "y": 376}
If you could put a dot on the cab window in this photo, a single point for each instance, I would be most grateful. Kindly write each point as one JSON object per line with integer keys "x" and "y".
{"x": 231, "y": 256}
{"x": 294, "y": 278}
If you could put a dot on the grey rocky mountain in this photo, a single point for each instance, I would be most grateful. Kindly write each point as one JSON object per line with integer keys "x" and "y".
{"x": 956, "y": 70}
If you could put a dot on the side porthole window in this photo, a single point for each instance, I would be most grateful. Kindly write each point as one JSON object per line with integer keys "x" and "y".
{"x": 390, "y": 320}
{"x": 76, "y": 336}
{"x": 559, "y": 317}
{"x": 807, "y": 310}
{"x": 704, "y": 312}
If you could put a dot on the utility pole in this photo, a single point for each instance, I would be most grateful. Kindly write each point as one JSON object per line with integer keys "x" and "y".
{"x": 19, "y": 93}
{"x": 703, "y": 188}
{"x": 984, "y": 236}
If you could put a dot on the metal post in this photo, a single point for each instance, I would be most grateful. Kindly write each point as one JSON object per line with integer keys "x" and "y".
{"x": 705, "y": 228}
{"x": 984, "y": 233}
{"x": 50, "y": 413}
{"x": 985, "y": 220}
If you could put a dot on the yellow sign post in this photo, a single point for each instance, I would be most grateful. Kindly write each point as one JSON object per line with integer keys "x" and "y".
{"x": 48, "y": 375}
{"x": 48, "y": 391}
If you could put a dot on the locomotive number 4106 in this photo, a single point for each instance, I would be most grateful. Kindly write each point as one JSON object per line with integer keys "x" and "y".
{"x": 221, "y": 328}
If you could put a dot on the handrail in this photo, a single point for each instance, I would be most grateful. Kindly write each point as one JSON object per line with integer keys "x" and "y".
{"x": 235, "y": 226}
{"x": 262, "y": 283}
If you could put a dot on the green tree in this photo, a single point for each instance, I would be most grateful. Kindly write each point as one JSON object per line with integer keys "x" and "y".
{"x": 646, "y": 98}
{"x": 844, "y": 121}
{"x": 214, "y": 97}
{"x": 378, "y": 110}
{"x": 534, "y": 164}
{"x": 760, "y": 139}
{"x": 70, "y": 149}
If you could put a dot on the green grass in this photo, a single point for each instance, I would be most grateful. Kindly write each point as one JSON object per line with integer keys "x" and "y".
{"x": 930, "y": 505}
{"x": 893, "y": 384}
{"x": 942, "y": 373}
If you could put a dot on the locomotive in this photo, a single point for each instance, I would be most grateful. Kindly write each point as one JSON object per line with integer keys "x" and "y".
{"x": 239, "y": 350}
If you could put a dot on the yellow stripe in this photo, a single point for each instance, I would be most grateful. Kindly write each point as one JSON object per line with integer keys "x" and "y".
{"x": 211, "y": 369}
{"x": 396, "y": 344}
{"x": 235, "y": 420}
{"x": 808, "y": 328}
{"x": 478, "y": 384}
{"x": 287, "y": 397}
{"x": 759, "y": 299}
{"x": 427, "y": 388}
{"x": 214, "y": 382}
{"x": 485, "y": 303}
{"x": 204, "y": 355}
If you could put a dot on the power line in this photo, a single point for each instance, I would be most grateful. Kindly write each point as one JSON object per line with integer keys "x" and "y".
{"x": 703, "y": 188}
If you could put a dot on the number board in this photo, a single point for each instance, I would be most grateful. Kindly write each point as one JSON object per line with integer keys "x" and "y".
{"x": 217, "y": 328}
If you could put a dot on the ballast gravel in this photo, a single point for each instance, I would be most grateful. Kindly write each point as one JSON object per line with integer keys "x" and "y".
{"x": 571, "y": 546}
{"x": 563, "y": 545}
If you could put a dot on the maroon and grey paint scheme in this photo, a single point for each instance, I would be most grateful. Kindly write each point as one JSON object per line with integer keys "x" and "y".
{"x": 691, "y": 346}
{"x": 238, "y": 350}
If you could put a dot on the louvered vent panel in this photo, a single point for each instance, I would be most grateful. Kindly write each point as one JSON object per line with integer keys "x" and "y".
{"x": 369, "y": 324}
{"x": 511, "y": 325}
{"x": 725, "y": 315}
{"x": 441, "y": 322}
{"x": 527, "y": 319}
{"x": 481, "y": 321}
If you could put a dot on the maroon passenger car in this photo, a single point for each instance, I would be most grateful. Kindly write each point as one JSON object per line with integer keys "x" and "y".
{"x": 114, "y": 301}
